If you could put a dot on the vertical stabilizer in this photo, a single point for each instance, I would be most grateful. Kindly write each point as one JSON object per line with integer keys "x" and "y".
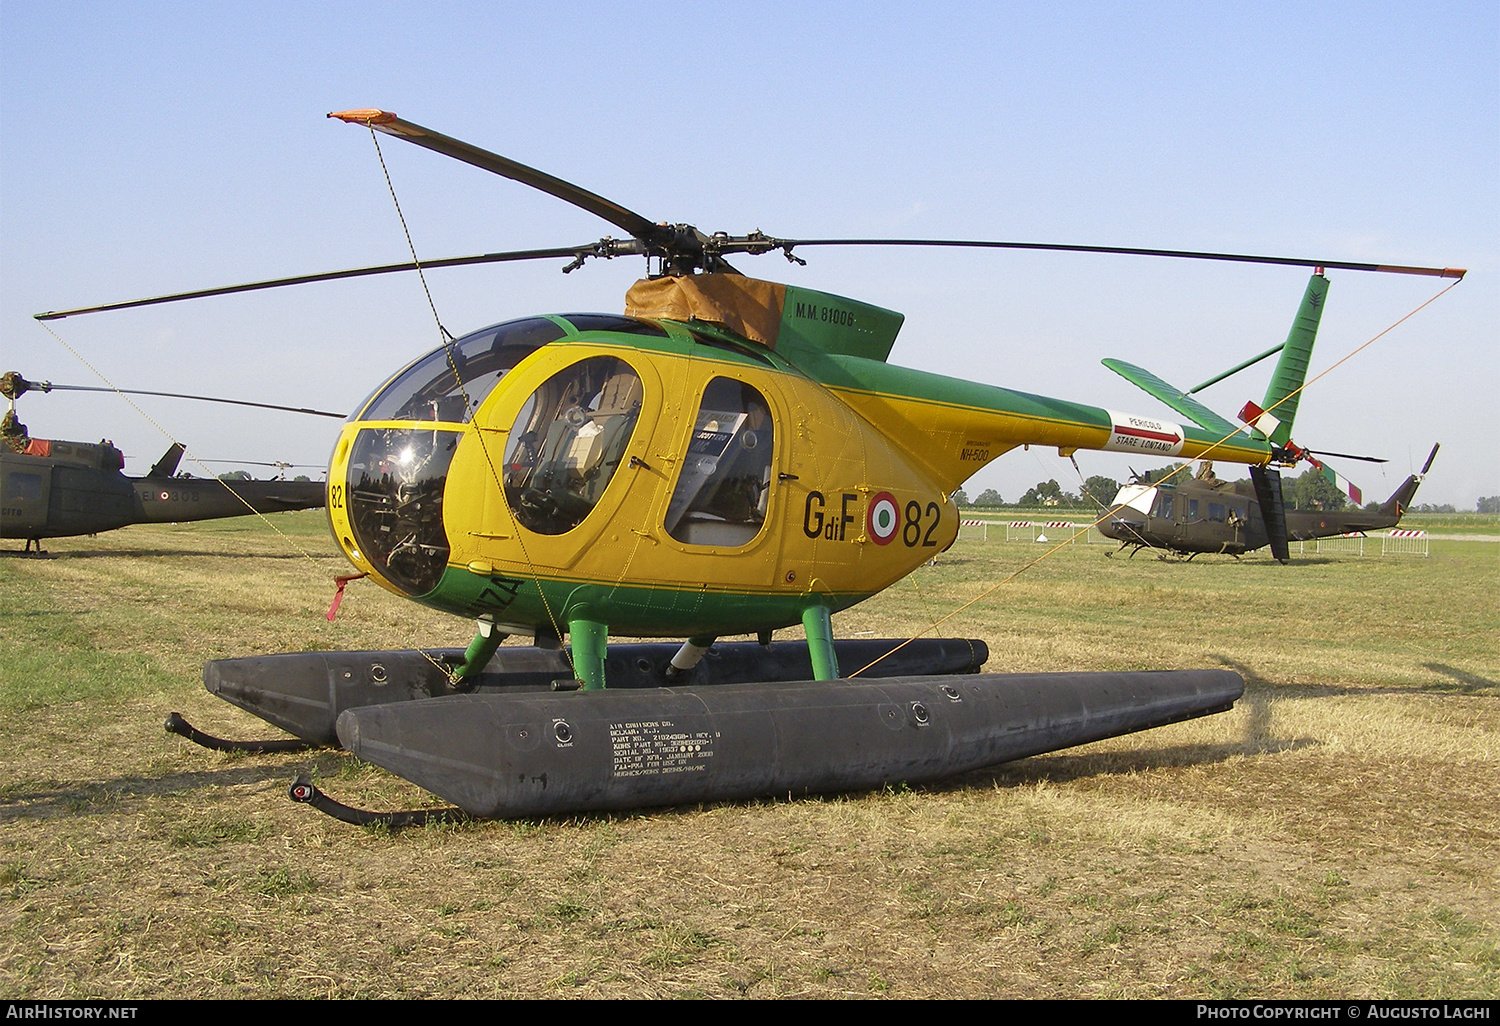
{"x": 167, "y": 465}
{"x": 1283, "y": 394}
{"x": 1400, "y": 500}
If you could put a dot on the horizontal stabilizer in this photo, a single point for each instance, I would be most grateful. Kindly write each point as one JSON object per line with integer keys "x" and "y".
{"x": 1184, "y": 404}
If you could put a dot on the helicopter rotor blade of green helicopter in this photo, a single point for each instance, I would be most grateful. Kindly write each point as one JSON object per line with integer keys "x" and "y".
{"x": 13, "y": 386}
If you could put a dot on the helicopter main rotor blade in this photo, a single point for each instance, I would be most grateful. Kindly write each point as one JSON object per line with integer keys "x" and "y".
{"x": 576, "y": 252}
{"x": 787, "y": 245}
{"x": 384, "y": 121}
{"x": 47, "y": 386}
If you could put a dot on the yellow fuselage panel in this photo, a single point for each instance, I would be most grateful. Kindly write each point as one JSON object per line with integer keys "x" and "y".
{"x": 829, "y": 466}
{"x": 953, "y": 442}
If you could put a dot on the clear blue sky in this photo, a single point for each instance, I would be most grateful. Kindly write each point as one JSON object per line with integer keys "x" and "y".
{"x": 148, "y": 148}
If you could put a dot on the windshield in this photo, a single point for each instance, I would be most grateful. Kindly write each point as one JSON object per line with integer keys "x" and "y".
{"x": 396, "y": 480}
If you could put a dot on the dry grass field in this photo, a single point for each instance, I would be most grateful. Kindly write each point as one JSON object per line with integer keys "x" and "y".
{"x": 1336, "y": 835}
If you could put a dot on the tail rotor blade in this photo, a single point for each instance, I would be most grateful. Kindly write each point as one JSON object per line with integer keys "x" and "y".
{"x": 1347, "y": 456}
{"x": 1272, "y": 510}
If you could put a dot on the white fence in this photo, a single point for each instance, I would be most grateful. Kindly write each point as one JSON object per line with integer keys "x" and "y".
{"x": 1396, "y": 543}
{"x": 975, "y": 528}
{"x": 1404, "y": 543}
{"x": 1344, "y": 543}
{"x": 1060, "y": 530}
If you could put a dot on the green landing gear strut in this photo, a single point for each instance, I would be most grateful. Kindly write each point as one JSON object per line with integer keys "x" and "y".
{"x": 589, "y": 638}
{"x": 825, "y": 661}
{"x": 477, "y": 656}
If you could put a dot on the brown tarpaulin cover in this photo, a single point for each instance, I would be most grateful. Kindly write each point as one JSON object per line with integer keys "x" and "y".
{"x": 746, "y": 306}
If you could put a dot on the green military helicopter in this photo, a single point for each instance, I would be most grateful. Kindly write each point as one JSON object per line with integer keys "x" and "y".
{"x": 59, "y": 489}
{"x": 1191, "y": 516}
{"x": 1194, "y": 515}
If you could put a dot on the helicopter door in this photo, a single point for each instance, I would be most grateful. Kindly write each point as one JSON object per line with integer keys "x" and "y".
{"x": 725, "y": 484}
{"x": 23, "y": 496}
{"x": 568, "y": 441}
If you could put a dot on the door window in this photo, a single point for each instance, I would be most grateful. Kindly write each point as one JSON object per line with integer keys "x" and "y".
{"x": 568, "y": 441}
{"x": 725, "y": 482}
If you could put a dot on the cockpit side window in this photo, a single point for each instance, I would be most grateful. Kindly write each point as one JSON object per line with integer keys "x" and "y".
{"x": 721, "y": 492}
{"x": 450, "y": 383}
{"x": 568, "y": 442}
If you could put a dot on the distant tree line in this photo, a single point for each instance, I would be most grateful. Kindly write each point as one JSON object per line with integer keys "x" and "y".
{"x": 1098, "y": 491}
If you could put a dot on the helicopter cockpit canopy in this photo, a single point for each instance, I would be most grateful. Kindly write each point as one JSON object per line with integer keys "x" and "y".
{"x": 450, "y": 383}
{"x": 564, "y": 449}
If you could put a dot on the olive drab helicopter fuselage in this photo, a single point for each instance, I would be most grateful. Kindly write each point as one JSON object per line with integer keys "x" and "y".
{"x": 51, "y": 488}
{"x": 58, "y": 489}
{"x": 1205, "y": 514}
{"x": 728, "y": 456}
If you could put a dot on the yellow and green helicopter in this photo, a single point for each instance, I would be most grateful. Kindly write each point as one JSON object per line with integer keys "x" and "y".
{"x": 729, "y": 456}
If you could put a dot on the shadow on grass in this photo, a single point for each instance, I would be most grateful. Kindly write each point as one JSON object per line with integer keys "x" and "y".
{"x": 1465, "y": 683}
{"x": 22, "y": 801}
{"x": 1259, "y": 688}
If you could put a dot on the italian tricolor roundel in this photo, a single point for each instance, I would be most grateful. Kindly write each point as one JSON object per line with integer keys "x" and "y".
{"x": 884, "y": 518}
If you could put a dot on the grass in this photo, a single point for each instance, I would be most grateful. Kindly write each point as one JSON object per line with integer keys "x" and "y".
{"x": 1336, "y": 835}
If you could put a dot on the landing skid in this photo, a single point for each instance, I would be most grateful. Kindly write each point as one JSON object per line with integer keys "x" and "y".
{"x": 747, "y": 720}
{"x": 28, "y": 552}
{"x": 303, "y": 790}
{"x": 177, "y": 725}
{"x": 304, "y": 693}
